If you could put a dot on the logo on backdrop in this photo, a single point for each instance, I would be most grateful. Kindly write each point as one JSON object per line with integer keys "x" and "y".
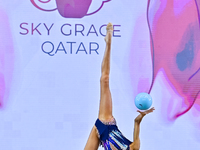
{"x": 73, "y": 45}
{"x": 68, "y": 8}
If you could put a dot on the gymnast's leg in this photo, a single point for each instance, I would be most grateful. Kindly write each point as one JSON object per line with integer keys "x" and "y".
{"x": 136, "y": 141}
{"x": 105, "y": 108}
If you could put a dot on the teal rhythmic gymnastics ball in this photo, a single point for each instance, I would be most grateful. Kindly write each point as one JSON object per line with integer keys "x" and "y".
{"x": 143, "y": 101}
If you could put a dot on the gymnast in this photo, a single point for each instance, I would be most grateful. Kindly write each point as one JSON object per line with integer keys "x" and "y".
{"x": 105, "y": 132}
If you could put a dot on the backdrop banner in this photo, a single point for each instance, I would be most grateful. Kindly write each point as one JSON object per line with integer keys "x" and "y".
{"x": 50, "y": 66}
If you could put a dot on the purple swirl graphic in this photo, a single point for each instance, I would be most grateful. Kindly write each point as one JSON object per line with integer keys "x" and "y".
{"x": 175, "y": 50}
{"x": 99, "y": 8}
{"x": 6, "y": 58}
{"x": 76, "y": 8}
{"x": 44, "y": 1}
{"x": 33, "y": 2}
{"x": 71, "y": 8}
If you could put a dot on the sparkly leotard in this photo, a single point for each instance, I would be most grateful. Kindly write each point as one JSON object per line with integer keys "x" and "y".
{"x": 109, "y": 134}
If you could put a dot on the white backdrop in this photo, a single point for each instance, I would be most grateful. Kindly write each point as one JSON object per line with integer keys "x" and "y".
{"x": 52, "y": 101}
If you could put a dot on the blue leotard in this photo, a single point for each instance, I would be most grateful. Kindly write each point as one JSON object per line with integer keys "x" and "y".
{"x": 109, "y": 134}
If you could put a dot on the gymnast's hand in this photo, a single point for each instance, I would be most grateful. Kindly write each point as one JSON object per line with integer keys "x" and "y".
{"x": 146, "y": 112}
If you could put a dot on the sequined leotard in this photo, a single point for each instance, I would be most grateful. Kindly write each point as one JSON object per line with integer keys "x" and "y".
{"x": 109, "y": 134}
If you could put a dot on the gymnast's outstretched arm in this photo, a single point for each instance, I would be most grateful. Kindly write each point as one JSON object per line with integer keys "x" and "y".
{"x": 136, "y": 143}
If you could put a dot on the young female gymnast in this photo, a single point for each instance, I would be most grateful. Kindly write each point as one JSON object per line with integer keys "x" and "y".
{"x": 105, "y": 132}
